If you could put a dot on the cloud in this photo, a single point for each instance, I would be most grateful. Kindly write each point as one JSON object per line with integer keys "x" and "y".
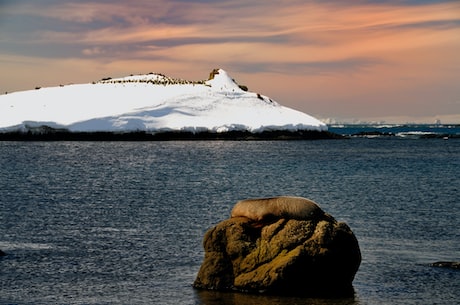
{"x": 304, "y": 68}
{"x": 93, "y": 51}
{"x": 325, "y": 29}
{"x": 365, "y": 50}
{"x": 300, "y": 21}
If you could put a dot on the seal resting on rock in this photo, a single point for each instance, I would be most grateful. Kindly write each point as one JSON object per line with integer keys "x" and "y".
{"x": 280, "y": 245}
{"x": 288, "y": 207}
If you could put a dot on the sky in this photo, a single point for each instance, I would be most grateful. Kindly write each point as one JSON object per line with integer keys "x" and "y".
{"x": 389, "y": 61}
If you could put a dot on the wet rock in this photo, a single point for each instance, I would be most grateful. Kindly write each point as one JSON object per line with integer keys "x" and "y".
{"x": 452, "y": 265}
{"x": 313, "y": 256}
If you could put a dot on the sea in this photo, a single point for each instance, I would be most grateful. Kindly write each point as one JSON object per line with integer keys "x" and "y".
{"x": 123, "y": 222}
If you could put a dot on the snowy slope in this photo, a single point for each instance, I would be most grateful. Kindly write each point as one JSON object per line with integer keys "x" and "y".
{"x": 151, "y": 102}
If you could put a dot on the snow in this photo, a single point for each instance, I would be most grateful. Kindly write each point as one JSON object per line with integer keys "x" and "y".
{"x": 151, "y": 102}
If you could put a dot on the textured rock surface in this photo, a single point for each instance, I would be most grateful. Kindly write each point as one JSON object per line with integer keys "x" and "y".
{"x": 452, "y": 265}
{"x": 313, "y": 257}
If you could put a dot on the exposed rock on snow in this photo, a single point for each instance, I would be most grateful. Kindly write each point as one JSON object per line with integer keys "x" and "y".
{"x": 151, "y": 103}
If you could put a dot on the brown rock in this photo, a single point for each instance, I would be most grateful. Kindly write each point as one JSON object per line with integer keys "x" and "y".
{"x": 213, "y": 73}
{"x": 313, "y": 257}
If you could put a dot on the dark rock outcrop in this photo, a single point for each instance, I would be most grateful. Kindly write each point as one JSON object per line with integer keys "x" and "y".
{"x": 213, "y": 73}
{"x": 451, "y": 265}
{"x": 313, "y": 257}
{"x": 45, "y": 133}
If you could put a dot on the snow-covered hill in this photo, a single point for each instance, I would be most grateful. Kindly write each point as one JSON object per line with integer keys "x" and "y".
{"x": 151, "y": 102}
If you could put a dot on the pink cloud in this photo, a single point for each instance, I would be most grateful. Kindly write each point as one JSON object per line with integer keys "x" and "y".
{"x": 300, "y": 52}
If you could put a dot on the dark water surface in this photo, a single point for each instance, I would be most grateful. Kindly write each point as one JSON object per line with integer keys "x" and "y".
{"x": 123, "y": 222}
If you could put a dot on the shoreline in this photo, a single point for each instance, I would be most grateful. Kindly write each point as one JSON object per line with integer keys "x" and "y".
{"x": 63, "y": 135}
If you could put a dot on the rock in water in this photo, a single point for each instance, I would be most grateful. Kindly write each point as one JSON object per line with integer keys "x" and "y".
{"x": 313, "y": 255}
{"x": 451, "y": 265}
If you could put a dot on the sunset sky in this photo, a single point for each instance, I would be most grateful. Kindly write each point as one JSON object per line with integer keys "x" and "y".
{"x": 397, "y": 61}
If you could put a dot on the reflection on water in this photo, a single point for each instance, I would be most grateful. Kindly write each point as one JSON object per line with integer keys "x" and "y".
{"x": 208, "y": 297}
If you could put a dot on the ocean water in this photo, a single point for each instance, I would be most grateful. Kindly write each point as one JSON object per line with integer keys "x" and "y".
{"x": 123, "y": 222}
{"x": 412, "y": 131}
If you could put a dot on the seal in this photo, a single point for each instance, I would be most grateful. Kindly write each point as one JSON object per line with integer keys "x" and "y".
{"x": 289, "y": 207}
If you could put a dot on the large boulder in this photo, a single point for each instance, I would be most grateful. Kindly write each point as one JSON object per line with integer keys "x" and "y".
{"x": 276, "y": 249}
